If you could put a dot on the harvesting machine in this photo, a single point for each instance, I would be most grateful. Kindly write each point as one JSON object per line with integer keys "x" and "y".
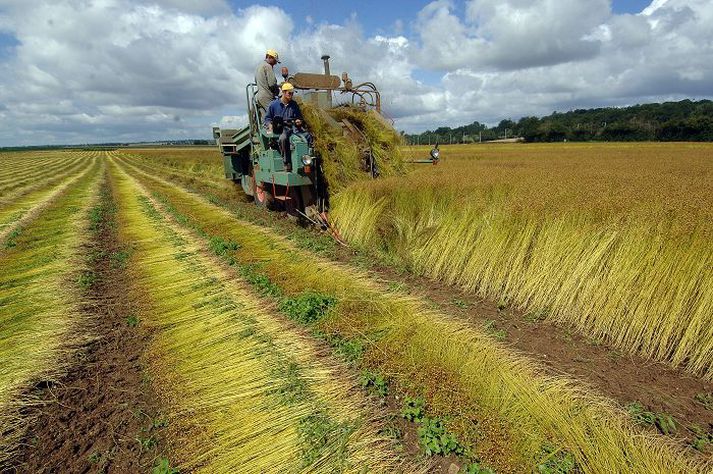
{"x": 252, "y": 158}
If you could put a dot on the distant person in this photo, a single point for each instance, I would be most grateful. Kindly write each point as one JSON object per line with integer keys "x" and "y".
{"x": 286, "y": 110}
{"x": 265, "y": 79}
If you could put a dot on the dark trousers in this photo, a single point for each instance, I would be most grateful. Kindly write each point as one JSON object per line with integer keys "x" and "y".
{"x": 284, "y": 142}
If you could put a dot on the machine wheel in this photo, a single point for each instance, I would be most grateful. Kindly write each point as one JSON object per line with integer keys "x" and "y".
{"x": 263, "y": 197}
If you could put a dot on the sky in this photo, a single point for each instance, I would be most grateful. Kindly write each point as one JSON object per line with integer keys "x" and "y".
{"x": 93, "y": 71}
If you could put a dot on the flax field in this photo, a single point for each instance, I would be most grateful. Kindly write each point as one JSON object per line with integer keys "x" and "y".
{"x": 268, "y": 347}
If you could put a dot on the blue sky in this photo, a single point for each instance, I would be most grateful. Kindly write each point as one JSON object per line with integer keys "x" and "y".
{"x": 380, "y": 16}
{"x": 77, "y": 71}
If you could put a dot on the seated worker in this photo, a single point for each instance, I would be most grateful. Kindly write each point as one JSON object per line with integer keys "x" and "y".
{"x": 287, "y": 109}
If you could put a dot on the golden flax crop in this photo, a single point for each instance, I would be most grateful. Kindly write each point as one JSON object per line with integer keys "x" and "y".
{"x": 245, "y": 392}
{"x": 613, "y": 239}
{"x": 40, "y": 294}
{"x": 404, "y": 339}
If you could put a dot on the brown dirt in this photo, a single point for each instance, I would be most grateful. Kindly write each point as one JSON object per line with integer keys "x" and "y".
{"x": 102, "y": 416}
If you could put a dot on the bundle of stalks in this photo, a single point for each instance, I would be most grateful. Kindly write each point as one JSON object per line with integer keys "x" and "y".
{"x": 341, "y": 155}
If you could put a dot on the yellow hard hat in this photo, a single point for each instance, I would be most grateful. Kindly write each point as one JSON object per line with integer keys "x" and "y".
{"x": 273, "y": 53}
{"x": 287, "y": 87}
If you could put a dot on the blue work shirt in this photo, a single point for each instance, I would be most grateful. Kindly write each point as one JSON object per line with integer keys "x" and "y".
{"x": 278, "y": 109}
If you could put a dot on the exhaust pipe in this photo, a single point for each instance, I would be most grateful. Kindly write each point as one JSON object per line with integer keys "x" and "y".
{"x": 325, "y": 58}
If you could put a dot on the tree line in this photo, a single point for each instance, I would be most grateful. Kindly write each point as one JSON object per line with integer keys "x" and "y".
{"x": 685, "y": 120}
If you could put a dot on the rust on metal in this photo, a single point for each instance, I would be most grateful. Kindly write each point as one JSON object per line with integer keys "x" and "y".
{"x": 308, "y": 80}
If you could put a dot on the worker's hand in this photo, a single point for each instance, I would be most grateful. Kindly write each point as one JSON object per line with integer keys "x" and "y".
{"x": 268, "y": 127}
{"x": 298, "y": 123}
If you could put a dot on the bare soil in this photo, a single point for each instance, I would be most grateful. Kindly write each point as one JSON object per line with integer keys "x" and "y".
{"x": 103, "y": 416}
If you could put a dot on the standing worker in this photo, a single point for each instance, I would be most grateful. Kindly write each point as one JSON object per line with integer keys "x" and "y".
{"x": 265, "y": 79}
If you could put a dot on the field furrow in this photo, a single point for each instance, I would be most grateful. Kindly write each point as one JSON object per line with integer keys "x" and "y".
{"x": 245, "y": 391}
{"x": 40, "y": 287}
{"x": 464, "y": 375}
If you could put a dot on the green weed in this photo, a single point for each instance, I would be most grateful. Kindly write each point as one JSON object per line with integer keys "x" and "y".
{"x": 146, "y": 443}
{"x": 291, "y": 386}
{"x": 163, "y": 466}
{"x": 87, "y": 279}
{"x": 374, "y": 383}
{"x": 132, "y": 321}
{"x": 556, "y": 461}
{"x": 459, "y": 303}
{"x": 11, "y": 240}
{"x": 663, "y": 421}
{"x": 397, "y": 286}
{"x": 492, "y": 329}
{"x": 320, "y": 437}
{"x": 221, "y": 247}
{"x": 705, "y": 399}
{"x": 159, "y": 422}
{"x": 413, "y": 409}
{"x": 307, "y": 307}
{"x": 259, "y": 281}
{"x": 702, "y": 439}
{"x": 435, "y": 439}
{"x": 119, "y": 258}
{"x": 350, "y": 350}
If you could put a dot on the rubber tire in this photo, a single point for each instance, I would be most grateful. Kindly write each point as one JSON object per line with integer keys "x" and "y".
{"x": 263, "y": 198}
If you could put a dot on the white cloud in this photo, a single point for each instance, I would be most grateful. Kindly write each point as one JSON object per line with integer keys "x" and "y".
{"x": 110, "y": 70}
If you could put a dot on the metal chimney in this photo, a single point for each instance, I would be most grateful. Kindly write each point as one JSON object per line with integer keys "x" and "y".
{"x": 325, "y": 58}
